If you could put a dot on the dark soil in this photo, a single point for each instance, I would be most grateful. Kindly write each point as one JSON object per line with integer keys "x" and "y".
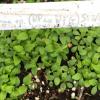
{"x": 41, "y": 92}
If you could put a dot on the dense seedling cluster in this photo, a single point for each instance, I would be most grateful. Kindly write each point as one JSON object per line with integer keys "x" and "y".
{"x": 70, "y": 58}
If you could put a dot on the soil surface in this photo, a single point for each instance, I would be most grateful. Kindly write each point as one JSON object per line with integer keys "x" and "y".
{"x": 44, "y": 92}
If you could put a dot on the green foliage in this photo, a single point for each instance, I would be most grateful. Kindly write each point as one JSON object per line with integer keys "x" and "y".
{"x": 57, "y": 81}
{"x": 6, "y": 88}
{"x": 14, "y": 81}
{"x": 96, "y": 58}
{"x": 69, "y": 85}
{"x": 3, "y": 95}
{"x": 77, "y": 76}
{"x": 27, "y": 79}
{"x": 22, "y": 36}
{"x": 21, "y": 90}
{"x": 66, "y": 55}
{"x": 94, "y": 90}
{"x": 16, "y": 60}
{"x": 62, "y": 87}
{"x": 18, "y": 48}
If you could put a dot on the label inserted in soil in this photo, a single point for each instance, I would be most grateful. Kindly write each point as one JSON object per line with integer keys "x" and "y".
{"x": 50, "y": 15}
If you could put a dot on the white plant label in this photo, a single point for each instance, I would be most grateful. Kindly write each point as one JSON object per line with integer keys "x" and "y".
{"x": 50, "y": 15}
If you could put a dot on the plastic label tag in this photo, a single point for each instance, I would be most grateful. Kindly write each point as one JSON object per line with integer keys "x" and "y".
{"x": 50, "y": 15}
